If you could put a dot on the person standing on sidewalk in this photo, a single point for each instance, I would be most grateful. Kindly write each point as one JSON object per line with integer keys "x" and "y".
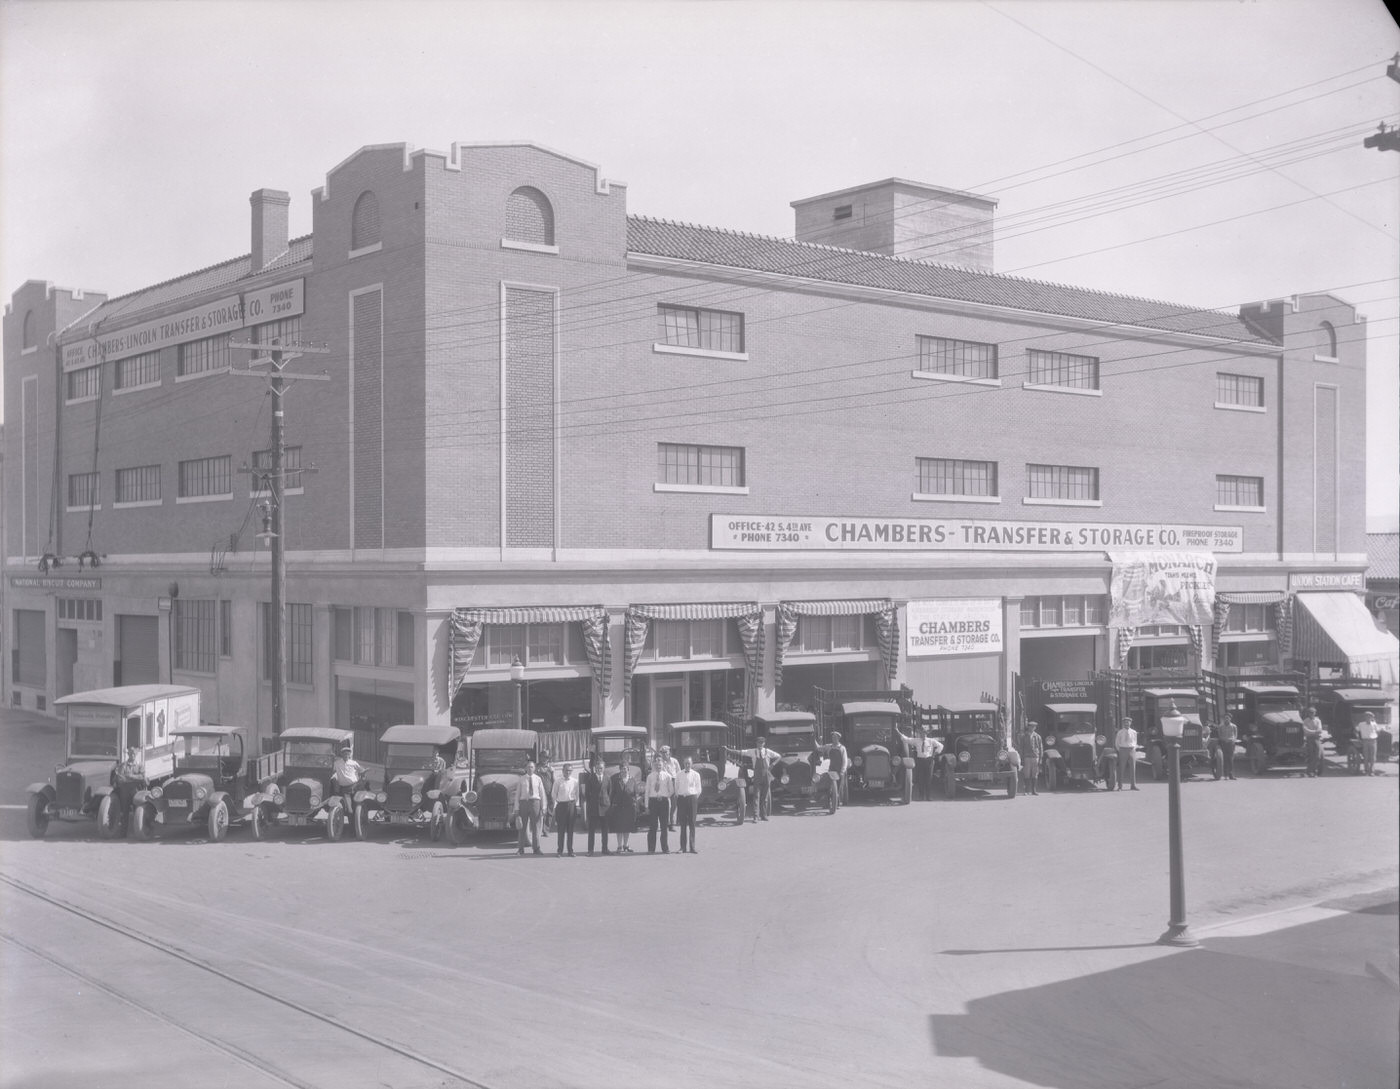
{"x": 1312, "y": 740}
{"x": 565, "y": 796}
{"x": 595, "y": 791}
{"x": 1125, "y": 741}
{"x": 1227, "y": 733}
{"x": 529, "y": 808}
{"x": 688, "y": 787}
{"x": 1031, "y": 746}
{"x": 763, "y": 758}
{"x": 1366, "y": 735}
{"x": 661, "y": 788}
{"x": 840, "y": 761}
{"x": 674, "y": 767}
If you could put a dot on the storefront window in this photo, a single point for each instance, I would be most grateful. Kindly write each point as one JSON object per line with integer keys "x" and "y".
{"x": 1244, "y": 618}
{"x": 1173, "y": 656}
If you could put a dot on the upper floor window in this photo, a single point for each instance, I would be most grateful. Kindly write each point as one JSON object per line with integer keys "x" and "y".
{"x": 139, "y": 484}
{"x": 202, "y": 356}
{"x": 297, "y": 646}
{"x": 206, "y": 477}
{"x": 84, "y": 383}
{"x": 834, "y": 634}
{"x": 707, "y": 330}
{"x": 1239, "y": 390}
{"x": 529, "y": 217}
{"x": 1239, "y": 491}
{"x": 364, "y": 221}
{"x": 196, "y": 634}
{"x": 688, "y": 639}
{"x": 371, "y": 636}
{"x": 82, "y": 491}
{"x": 701, "y": 466}
{"x": 533, "y": 644}
{"x": 1060, "y": 611}
{"x": 1327, "y": 341}
{"x": 286, "y": 331}
{"x": 138, "y": 370}
{"x": 963, "y": 358}
{"x": 27, "y": 331}
{"x": 1062, "y": 369}
{"x": 291, "y": 470}
{"x": 1075, "y": 482}
{"x": 1249, "y": 617}
{"x": 79, "y": 608}
{"x": 953, "y": 476}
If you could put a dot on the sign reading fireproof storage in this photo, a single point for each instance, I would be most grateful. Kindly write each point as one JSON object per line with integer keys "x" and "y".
{"x": 954, "y": 626}
{"x": 778, "y": 533}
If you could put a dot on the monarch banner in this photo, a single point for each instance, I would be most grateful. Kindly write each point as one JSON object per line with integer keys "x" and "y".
{"x": 1162, "y": 588}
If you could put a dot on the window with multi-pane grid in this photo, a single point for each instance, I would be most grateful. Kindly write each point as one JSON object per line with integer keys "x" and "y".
{"x": 1062, "y": 482}
{"x": 964, "y": 358}
{"x": 1062, "y": 369}
{"x": 1063, "y": 611}
{"x": 820, "y": 634}
{"x": 702, "y": 466}
{"x": 138, "y": 484}
{"x": 1245, "y": 390}
{"x": 298, "y": 642}
{"x": 709, "y": 330}
{"x": 82, "y": 490}
{"x": 1239, "y": 491}
{"x": 202, "y": 356}
{"x": 206, "y": 477}
{"x": 79, "y": 608}
{"x": 84, "y": 383}
{"x": 138, "y": 370}
{"x": 954, "y": 476}
{"x": 291, "y": 469}
{"x": 285, "y": 331}
{"x": 1248, "y": 617}
{"x": 689, "y": 639}
{"x": 196, "y": 634}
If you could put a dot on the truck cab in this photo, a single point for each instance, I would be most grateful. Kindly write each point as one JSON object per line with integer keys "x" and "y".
{"x": 880, "y": 760}
{"x": 421, "y": 773}
{"x": 498, "y": 760}
{"x": 1341, "y": 709}
{"x": 793, "y": 736}
{"x": 205, "y": 790}
{"x": 705, "y": 742}
{"x": 974, "y": 748}
{"x": 1271, "y": 724}
{"x": 1076, "y": 750}
{"x": 1197, "y": 748}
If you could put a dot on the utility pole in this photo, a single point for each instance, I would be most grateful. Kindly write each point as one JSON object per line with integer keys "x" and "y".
{"x": 1387, "y": 139}
{"x": 275, "y": 359}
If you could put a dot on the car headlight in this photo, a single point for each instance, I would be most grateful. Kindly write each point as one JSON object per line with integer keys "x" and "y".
{"x": 857, "y": 761}
{"x": 1100, "y": 740}
{"x": 1049, "y": 739}
{"x": 417, "y": 797}
{"x": 381, "y": 797}
{"x": 273, "y": 792}
{"x": 156, "y": 792}
{"x": 1003, "y": 756}
{"x": 964, "y": 757}
{"x": 468, "y": 796}
{"x": 200, "y": 794}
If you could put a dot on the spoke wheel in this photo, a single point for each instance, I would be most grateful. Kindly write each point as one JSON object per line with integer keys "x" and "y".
{"x": 360, "y": 822}
{"x": 143, "y": 822}
{"x": 109, "y": 817}
{"x": 218, "y": 821}
{"x": 257, "y": 822}
{"x": 436, "y": 825}
{"x": 335, "y": 823}
{"x": 36, "y": 816}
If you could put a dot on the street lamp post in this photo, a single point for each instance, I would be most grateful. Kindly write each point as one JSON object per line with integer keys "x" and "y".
{"x": 517, "y": 676}
{"x": 1177, "y": 932}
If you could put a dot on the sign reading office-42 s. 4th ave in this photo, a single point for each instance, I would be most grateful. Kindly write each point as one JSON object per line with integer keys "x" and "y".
{"x": 807, "y": 533}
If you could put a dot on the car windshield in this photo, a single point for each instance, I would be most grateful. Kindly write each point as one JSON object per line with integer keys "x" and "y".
{"x": 200, "y": 750}
{"x": 786, "y": 739}
{"x": 494, "y": 761}
{"x": 971, "y": 722}
{"x": 616, "y": 744}
{"x": 700, "y": 739}
{"x": 1274, "y": 705}
{"x": 401, "y": 757}
{"x": 93, "y": 741}
{"x": 1073, "y": 722}
{"x": 870, "y": 729}
{"x": 308, "y": 753}
{"x": 1186, "y": 705}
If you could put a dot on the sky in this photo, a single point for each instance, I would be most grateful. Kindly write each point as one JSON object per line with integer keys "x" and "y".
{"x": 1208, "y": 153}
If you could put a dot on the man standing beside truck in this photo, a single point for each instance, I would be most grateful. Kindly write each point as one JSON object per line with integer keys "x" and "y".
{"x": 1227, "y": 733}
{"x": 1125, "y": 741}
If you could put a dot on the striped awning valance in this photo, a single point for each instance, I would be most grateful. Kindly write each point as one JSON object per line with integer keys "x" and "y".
{"x": 466, "y": 625}
{"x": 887, "y": 627}
{"x": 747, "y": 616}
{"x": 1250, "y": 597}
{"x": 698, "y": 610}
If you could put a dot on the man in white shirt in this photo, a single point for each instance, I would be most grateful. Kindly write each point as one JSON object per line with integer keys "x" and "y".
{"x": 688, "y": 787}
{"x": 1366, "y": 734}
{"x": 674, "y": 767}
{"x": 1125, "y": 741}
{"x": 661, "y": 788}
{"x": 529, "y": 805}
{"x": 1312, "y": 742}
{"x": 565, "y": 807}
{"x": 346, "y": 772}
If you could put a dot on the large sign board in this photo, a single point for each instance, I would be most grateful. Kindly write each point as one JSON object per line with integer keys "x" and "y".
{"x": 224, "y": 315}
{"x": 777, "y": 533}
{"x": 54, "y": 582}
{"x": 954, "y": 626}
{"x": 1161, "y": 588}
{"x": 1325, "y": 580}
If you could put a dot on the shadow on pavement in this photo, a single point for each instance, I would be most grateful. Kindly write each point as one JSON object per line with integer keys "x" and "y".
{"x": 1294, "y": 1008}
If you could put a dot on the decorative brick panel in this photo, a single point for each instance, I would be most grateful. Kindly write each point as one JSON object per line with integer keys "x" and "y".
{"x": 530, "y": 417}
{"x": 368, "y": 427}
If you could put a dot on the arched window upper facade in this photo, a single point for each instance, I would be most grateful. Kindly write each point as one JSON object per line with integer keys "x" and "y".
{"x": 529, "y": 217}
{"x": 1327, "y": 342}
{"x": 364, "y": 221}
{"x": 27, "y": 331}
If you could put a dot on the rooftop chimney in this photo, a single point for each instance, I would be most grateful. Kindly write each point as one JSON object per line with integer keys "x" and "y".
{"x": 901, "y": 218}
{"x": 269, "y": 226}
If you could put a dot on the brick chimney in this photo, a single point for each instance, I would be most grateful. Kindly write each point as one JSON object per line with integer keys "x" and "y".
{"x": 269, "y": 226}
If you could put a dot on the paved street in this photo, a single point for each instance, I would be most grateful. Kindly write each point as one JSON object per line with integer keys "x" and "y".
{"x": 975, "y": 943}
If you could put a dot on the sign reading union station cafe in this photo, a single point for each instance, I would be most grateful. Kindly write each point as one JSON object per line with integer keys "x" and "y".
{"x": 807, "y": 533}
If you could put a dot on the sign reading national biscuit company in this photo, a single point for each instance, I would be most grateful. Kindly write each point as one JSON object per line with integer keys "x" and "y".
{"x": 225, "y": 315}
{"x": 766, "y": 532}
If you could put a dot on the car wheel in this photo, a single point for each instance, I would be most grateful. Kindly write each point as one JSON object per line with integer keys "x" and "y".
{"x": 950, "y": 783}
{"x": 1110, "y": 774}
{"x": 435, "y": 826}
{"x": 907, "y": 787}
{"x": 1258, "y": 759}
{"x": 1011, "y": 785}
{"x": 109, "y": 817}
{"x": 143, "y": 822}
{"x": 257, "y": 822}
{"x": 1052, "y": 776}
{"x": 37, "y": 816}
{"x": 359, "y": 822}
{"x": 218, "y": 821}
{"x": 1217, "y": 763}
{"x": 335, "y": 823}
{"x": 1157, "y": 763}
{"x": 456, "y": 828}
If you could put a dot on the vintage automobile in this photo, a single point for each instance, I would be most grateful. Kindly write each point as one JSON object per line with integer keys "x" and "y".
{"x": 974, "y": 748}
{"x": 498, "y": 759}
{"x": 704, "y": 742}
{"x": 801, "y": 774}
{"x": 1198, "y": 749}
{"x": 1341, "y": 709}
{"x": 1271, "y": 727}
{"x": 117, "y": 743}
{"x": 205, "y": 791}
{"x": 1075, "y": 749}
{"x": 302, "y": 794}
{"x": 880, "y": 759}
{"x": 421, "y": 775}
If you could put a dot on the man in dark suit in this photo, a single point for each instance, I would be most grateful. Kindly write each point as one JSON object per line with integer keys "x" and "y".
{"x": 597, "y": 800}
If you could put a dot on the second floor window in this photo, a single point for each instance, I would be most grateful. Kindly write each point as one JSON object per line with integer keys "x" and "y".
{"x": 139, "y": 484}
{"x": 1059, "y": 611}
{"x": 298, "y": 642}
{"x": 687, "y": 639}
{"x": 953, "y": 476}
{"x": 1239, "y": 389}
{"x": 206, "y": 476}
{"x": 1239, "y": 491}
{"x": 703, "y": 466}
{"x": 1062, "y": 482}
{"x": 965, "y": 358}
{"x": 1062, "y": 369}
{"x": 291, "y": 469}
{"x": 202, "y": 356}
{"x": 138, "y": 370}
{"x": 84, "y": 383}
{"x": 196, "y": 635}
{"x": 82, "y": 490}
{"x": 711, "y": 330}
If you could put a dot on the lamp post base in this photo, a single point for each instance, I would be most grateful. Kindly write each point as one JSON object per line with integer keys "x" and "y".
{"x": 1178, "y": 934}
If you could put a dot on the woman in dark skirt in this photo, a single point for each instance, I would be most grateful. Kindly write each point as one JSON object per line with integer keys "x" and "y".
{"x": 622, "y": 815}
